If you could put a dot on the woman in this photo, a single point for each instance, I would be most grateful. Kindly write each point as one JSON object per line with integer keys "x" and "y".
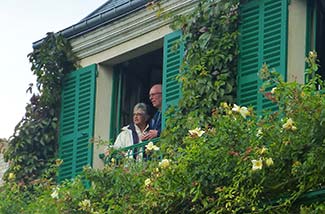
{"x": 132, "y": 134}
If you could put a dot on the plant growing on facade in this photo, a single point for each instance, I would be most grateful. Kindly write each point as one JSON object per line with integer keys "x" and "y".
{"x": 219, "y": 157}
{"x": 250, "y": 163}
{"x": 208, "y": 77}
{"x": 34, "y": 142}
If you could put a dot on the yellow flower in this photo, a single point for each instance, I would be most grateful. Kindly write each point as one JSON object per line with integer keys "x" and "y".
{"x": 312, "y": 54}
{"x": 259, "y": 133}
{"x": 263, "y": 150}
{"x": 289, "y": 125}
{"x": 58, "y": 162}
{"x": 55, "y": 193}
{"x": 85, "y": 204}
{"x": 147, "y": 182}
{"x": 296, "y": 163}
{"x": 257, "y": 164}
{"x": 242, "y": 110}
{"x": 164, "y": 163}
{"x": 303, "y": 94}
{"x": 273, "y": 90}
{"x": 151, "y": 147}
{"x": 11, "y": 176}
{"x": 269, "y": 161}
{"x": 224, "y": 105}
{"x": 236, "y": 108}
{"x": 296, "y": 167}
{"x": 196, "y": 132}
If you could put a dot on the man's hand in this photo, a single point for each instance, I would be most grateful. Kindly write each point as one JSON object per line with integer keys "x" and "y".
{"x": 150, "y": 135}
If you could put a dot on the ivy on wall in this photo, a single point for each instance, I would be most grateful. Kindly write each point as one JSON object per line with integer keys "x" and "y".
{"x": 210, "y": 34}
{"x": 234, "y": 161}
{"x": 34, "y": 142}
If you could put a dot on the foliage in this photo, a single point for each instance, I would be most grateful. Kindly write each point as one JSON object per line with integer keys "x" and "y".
{"x": 241, "y": 163}
{"x": 210, "y": 34}
{"x": 42, "y": 195}
{"x": 34, "y": 142}
{"x": 218, "y": 157}
{"x": 247, "y": 163}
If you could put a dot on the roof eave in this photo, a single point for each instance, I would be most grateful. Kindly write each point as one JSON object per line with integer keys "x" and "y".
{"x": 99, "y": 20}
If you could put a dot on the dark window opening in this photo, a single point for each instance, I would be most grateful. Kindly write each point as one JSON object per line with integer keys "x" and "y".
{"x": 320, "y": 35}
{"x": 316, "y": 31}
{"x": 132, "y": 81}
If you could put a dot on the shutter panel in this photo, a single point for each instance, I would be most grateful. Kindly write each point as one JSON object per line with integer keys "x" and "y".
{"x": 263, "y": 39}
{"x": 77, "y": 121}
{"x": 173, "y": 57}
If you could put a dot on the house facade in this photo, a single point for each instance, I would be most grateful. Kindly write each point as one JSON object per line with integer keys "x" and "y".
{"x": 124, "y": 48}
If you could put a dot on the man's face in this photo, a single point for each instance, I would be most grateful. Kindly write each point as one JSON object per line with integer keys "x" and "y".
{"x": 155, "y": 96}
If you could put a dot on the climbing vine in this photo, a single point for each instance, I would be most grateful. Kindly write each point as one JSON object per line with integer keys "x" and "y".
{"x": 210, "y": 34}
{"x": 218, "y": 157}
{"x": 34, "y": 142}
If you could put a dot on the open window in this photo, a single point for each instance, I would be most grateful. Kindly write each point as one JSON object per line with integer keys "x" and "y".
{"x": 132, "y": 80}
{"x": 316, "y": 31}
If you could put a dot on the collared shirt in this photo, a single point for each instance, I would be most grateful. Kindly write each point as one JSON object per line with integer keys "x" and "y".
{"x": 155, "y": 123}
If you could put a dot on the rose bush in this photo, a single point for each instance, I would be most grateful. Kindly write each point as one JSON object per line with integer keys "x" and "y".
{"x": 237, "y": 163}
{"x": 218, "y": 157}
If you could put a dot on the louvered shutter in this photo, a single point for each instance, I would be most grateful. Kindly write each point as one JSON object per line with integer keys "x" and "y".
{"x": 76, "y": 121}
{"x": 173, "y": 56}
{"x": 263, "y": 39}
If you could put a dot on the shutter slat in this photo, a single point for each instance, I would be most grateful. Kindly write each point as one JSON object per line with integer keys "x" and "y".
{"x": 77, "y": 121}
{"x": 263, "y": 34}
{"x": 173, "y": 56}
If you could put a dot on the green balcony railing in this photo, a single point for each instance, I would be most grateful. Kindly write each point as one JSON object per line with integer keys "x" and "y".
{"x": 137, "y": 152}
{"x": 311, "y": 197}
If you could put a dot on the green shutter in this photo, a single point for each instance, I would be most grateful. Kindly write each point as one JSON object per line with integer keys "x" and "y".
{"x": 173, "y": 57}
{"x": 77, "y": 121}
{"x": 263, "y": 39}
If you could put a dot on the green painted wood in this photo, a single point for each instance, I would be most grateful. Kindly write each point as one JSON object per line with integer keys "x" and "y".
{"x": 130, "y": 151}
{"x": 77, "y": 121}
{"x": 116, "y": 100}
{"x": 173, "y": 57}
{"x": 119, "y": 104}
{"x": 311, "y": 30}
{"x": 263, "y": 39}
{"x": 113, "y": 127}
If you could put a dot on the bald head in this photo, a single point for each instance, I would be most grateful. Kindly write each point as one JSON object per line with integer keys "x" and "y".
{"x": 155, "y": 96}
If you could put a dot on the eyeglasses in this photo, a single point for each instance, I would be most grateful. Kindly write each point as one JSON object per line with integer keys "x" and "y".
{"x": 138, "y": 114}
{"x": 154, "y": 94}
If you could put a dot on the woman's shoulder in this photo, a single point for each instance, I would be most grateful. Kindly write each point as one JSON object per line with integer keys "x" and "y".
{"x": 125, "y": 128}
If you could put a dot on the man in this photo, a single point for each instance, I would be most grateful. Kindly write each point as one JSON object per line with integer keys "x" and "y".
{"x": 155, "y": 96}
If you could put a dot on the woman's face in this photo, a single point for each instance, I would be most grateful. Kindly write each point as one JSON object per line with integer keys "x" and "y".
{"x": 139, "y": 117}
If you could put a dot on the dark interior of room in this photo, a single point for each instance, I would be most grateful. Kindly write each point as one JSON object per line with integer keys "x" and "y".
{"x": 138, "y": 75}
{"x": 320, "y": 36}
